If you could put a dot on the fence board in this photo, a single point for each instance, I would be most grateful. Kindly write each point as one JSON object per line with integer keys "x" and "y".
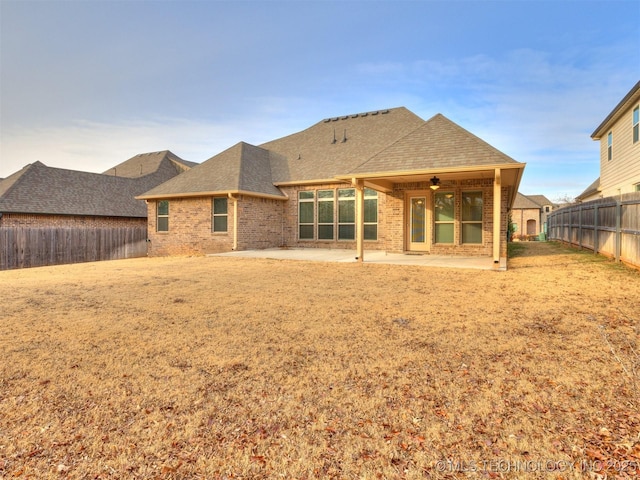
{"x": 610, "y": 226}
{"x": 22, "y": 247}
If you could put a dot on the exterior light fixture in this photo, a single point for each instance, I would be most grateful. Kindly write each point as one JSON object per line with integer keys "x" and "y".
{"x": 435, "y": 183}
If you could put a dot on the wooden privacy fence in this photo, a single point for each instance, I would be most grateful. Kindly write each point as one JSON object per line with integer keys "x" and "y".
{"x": 22, "y": 247}
{"x": 610, "y": 226}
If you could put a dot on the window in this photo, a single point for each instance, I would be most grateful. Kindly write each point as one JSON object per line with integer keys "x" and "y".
{"x": 319, "y": 214}
{"x": 636, "y": 124}
{"x": 306, "y": 217}
{"x": 637, "y": 187}
{"x": 610, "y": 146}
{"x": 347, "y": 214}
{"x": 162, "y": 212}
{"x": 472, "y": 217}
{"x": 325, "y": 214}
{"x": 444, "y": 216}
{"x": 220, "y": 214}
{"x": 370, "y": 214}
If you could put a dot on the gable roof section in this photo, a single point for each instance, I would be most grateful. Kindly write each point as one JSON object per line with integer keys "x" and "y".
{"x": 146, "y": 163}
{"x": 438, "y": 144}
{"x": 540, "y": 200}
{"x": 335, "y": 146}
{"x": 525, "y": 202}
{"x": 590, "y": 190}
{"x": 630, "y": 98}
{"x": 242, "y": 168}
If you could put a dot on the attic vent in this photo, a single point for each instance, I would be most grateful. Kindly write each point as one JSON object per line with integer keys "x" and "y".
{"x": 374, "y": 113}
{"x": 384, "y": 111}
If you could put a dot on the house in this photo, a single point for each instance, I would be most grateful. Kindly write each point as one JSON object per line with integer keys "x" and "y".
{"x": 384, "y": 180}
{"x": 619, "y": 137}
{"x": 45, "y": 201}
{"x": 529, "y": 215}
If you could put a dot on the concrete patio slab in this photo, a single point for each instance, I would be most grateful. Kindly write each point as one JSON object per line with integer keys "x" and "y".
{"x": 370, "y": 256}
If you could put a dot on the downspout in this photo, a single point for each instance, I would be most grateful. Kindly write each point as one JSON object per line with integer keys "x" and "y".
{"x": 234, "y": 200}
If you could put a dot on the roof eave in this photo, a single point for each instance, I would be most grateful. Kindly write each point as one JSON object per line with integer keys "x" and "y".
{"x": 429, "y": 171}
{"x": 212, "y": 193}
{"x": 629, "y": 98}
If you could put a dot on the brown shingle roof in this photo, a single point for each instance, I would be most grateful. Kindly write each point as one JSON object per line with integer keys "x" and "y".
{"x": 525, "y": 203}
{"x": 146, "y": 163}
{"x": 39, "y": 189}
{"x": 438, "y": 143}
{"x": 312, "y": 154}
{"x": 242, "y": 168}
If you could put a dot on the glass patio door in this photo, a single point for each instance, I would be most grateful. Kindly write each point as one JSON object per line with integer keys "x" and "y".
{"x": 417, "y": 231}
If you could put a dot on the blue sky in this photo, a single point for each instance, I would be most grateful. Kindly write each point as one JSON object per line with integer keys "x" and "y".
{"x": 87, "y": 84}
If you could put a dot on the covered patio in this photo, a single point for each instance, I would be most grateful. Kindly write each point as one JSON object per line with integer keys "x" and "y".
{"x": 370, "y": 256}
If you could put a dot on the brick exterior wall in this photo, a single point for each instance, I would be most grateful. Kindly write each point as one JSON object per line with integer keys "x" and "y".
{"x": 190, "y": 231}
{"x": 396, "y": 218}
{"x": 520, "y": 217}
{"x": 190, "y": 226}
{"x": 71, "y": 221}
{"x": 267, "y": 223}
{"x": 259, "y": 222}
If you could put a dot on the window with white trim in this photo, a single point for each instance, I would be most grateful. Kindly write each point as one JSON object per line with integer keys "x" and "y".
{"x": 325, "y": 214}
{"x": 444, "y": 216}
{"x": 162, "y": 216}
{"x": 306, "y": 215}
{"x": 610, "y": 146}
{"x": 346, "y": 214}
{"x": 472, "y": 217}
{"x": 220, "y": 214}
{"x": 370, "y": 214}
{"x": 636, "y": 124}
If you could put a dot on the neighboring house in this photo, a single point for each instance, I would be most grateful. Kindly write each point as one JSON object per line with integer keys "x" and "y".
{"x": 529, "y": 215}
{"x": 44, "y": 202}
{"x": 384, "y": 180}
{"x": 619, "y": 136}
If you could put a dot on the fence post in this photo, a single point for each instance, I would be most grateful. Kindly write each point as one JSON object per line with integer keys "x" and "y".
{"x": 580, "y": 227}
{"x": 618, "y": 230}
{"x": 595, "y": 229}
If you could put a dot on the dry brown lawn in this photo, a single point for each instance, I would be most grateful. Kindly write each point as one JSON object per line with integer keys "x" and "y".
{"x": 249, "y": 368}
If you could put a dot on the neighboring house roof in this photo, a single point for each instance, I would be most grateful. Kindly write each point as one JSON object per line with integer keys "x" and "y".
{"x": 526, "y": 202}
{"x": 242, "y": 168}
{"x": 39, "y": 189}
{"x": 607, "y": 123}
{"x": 540, "y": 200}
{"x": 146, "y": 163}
{"x": 523, "y": 202}
{"x": 590, "y": 190}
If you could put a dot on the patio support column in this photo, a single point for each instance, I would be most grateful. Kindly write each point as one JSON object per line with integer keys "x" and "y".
{"x": 234, "y": 200}
{"x": 359, "y": 186}
{"x": 497, "y": 208}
